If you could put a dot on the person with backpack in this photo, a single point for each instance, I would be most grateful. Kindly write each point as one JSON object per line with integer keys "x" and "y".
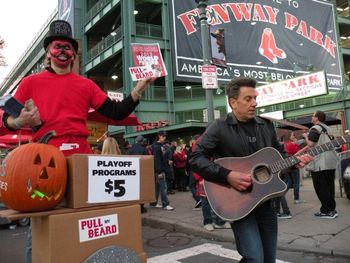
{"x": 323, "y": 167}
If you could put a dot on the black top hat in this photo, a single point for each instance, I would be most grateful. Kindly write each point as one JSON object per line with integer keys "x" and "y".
{"x": 60, "y": 29}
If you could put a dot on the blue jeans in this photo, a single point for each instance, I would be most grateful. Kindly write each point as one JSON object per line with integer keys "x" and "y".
{"x": 295, "y": 183}
{"x": 192, "y": 185}
{"x": 28, "y": 255}
{"x": 256, "y": 235}
{"x": 208, "y": 215}
{"x": 161, "y": 189}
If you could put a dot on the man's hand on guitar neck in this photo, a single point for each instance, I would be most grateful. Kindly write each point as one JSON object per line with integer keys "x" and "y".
{"x": 304, "y": 160}
{"x": 239, "y": 181}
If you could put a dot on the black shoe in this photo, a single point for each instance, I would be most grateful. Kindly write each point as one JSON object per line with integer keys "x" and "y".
{"x": 198, "y": 204}
{"x": 330, "y": 215}
{"x": 143, "y": 210}
{"x": 284, "y": 216}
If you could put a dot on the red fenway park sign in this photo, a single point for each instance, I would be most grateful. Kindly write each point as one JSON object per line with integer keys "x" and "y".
{"x": 267, "y": 40}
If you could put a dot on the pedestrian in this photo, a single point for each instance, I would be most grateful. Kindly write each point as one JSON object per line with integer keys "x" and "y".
{"x": 323, "y": 167}
{"x": 60, "y": 99}
{"x": 192, "y": 181}
{"x": 139, "y": 148}
{"x": 240, "y": 134}
{"x": 110, "y": 146}
{"x": 291, "y": 148}
{"x": 159, "y": 167}
{"x": 210, "y": 220}
{"x": 281, "y": 202}
{"x": 180, "y": 160}
{"x": 169, "y": 167}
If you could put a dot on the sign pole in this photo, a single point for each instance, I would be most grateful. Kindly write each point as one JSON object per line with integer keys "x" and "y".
{"x": 202, "y": 5}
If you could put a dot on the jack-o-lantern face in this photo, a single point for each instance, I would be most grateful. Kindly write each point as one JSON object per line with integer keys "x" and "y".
{"x": 34, "y": 178}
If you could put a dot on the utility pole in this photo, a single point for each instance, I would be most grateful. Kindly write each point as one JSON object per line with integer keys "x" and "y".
{"x": 202, "y": 5}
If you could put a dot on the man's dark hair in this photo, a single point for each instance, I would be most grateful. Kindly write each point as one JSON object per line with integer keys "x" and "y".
{"x": 321, "y": 116}
{"x": 235, "y": 85}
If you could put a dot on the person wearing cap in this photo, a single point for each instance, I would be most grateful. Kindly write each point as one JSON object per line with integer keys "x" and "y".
{"x": 60, "y": 99}
{"x": 160, "y": 172}
{"x": 218, "y": 51}
{"x": 138, "y": 148}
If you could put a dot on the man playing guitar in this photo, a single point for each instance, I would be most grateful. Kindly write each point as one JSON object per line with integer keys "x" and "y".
{"x": 241, "y": 134}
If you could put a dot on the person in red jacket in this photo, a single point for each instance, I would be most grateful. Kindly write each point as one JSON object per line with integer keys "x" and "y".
{"x": 58, "y": 99}
{"x": 210, "y": 220}
{"x": 179, "y": 159}
{"x": 291, "y": 148}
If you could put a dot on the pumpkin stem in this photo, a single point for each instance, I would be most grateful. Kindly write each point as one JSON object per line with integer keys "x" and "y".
{"x": 47, "y": 136}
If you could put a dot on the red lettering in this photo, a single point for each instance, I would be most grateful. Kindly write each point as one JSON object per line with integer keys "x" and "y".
{"x": 316, "y": 36}
{"x": 272, "y": 12}
{"x": 291, "y": 21}
{"x": 302, "y": 29}
{"x": 221, "y": 14}
{"x": 329, "y": 45}
{"x": 83, "y": 225}
{"x": 313, "y": 79}
{"x": 302, "y": 82}
{"x": 259, "y": 14}
{"x": 188, "y": 21}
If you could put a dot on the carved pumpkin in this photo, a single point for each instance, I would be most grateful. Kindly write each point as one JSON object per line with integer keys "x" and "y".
{"x": 34, "y": 178}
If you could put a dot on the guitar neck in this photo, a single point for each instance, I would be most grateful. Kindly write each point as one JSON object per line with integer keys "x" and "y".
{"x": 314, "y": 151}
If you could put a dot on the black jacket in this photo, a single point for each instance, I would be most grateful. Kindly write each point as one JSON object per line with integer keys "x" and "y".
{"x": 224, "y": 138}
{"x": 137, "y": 149}
{"x": 159, "y": 160}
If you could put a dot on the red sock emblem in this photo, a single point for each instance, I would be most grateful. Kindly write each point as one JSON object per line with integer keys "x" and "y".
{"x": 268, "y": 47}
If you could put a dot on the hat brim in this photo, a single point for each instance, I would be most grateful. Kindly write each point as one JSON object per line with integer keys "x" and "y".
{"x": 216, "y": 35}
{"x": 49, "y": 39}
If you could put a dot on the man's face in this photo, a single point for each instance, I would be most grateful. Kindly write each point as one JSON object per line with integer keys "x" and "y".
{"x": 314, "y": 119}
{"x": 61, "y": 53}
{"x": 244, "y": 106}
{"x": 162, "y": 138}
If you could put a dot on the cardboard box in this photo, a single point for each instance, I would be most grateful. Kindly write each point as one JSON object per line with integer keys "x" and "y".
{"x": 78, "y": 176}
{"x": 74, "y": 237}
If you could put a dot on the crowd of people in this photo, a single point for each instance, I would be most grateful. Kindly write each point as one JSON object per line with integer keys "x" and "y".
{"x": 178, "y": 167}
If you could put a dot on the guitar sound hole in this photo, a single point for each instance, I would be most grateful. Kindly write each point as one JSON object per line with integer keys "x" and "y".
{"x": 261, "y": 174}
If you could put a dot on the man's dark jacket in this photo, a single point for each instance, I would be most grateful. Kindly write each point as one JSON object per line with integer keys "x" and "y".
{"x": 225, "y": 138}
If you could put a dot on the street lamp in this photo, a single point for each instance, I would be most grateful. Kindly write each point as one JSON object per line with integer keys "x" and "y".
{"x": 202, "y": 5}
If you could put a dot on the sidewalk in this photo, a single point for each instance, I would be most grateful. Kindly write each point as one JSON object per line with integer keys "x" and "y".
{"x": 303, "y": 233}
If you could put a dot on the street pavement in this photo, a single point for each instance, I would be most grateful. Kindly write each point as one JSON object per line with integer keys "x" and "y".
{"x": 302, "y": 233}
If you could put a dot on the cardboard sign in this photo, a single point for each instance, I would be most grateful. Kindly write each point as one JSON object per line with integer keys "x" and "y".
{"x": 98, "y": 227}
{"x": 139, "y": 73}
{"x": 149, "y": 55}
{"x": 112, "y": 179}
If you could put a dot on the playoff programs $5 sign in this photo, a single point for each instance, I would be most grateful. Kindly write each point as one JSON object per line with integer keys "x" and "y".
{"x": 113, "y": 178}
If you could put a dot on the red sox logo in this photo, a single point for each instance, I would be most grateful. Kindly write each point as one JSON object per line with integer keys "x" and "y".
{"x": 268, "y": 47}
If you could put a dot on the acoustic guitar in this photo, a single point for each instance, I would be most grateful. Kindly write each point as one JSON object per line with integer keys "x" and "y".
{"x": 264, "y": 166}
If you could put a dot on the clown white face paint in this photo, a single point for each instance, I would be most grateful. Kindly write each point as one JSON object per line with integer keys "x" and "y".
{"x": 61, "y": 53}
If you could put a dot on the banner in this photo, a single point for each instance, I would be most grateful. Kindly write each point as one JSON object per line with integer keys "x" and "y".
{"x": 306, "y": 86}
{"x": 265, "y": 40}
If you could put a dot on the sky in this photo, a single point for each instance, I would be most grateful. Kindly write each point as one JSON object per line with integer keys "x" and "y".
{"x": 20, "y": 21}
